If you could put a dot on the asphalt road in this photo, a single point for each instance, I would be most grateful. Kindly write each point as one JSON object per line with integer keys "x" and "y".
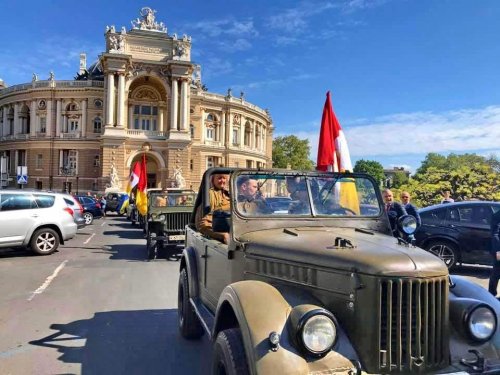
{"x": 94, "y": 307}
{"x": 98, "y": 307}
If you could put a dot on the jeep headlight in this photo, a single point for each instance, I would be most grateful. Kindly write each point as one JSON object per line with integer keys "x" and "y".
{"x": 161, "y": 217}
{"x": 408, "y": 224}
{"x": 314, "y": 329}
{"x": 481, "y": 323}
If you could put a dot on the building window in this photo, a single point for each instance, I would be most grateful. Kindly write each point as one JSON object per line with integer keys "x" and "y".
{"x": 249, "y": 163}
{"x": 73, "y": 126}
{"x": 97, "y": 161}
{"x": 236, "y": 138}
{"x": 72, "y": 107}
{"x": 39, "y": 161}
{"x": 43, "y": 124}
{"x": 38, "y": 185}
{"x": 210, "y": 134}
{"x": 210, "y": 162}
{"x": 68, "y": 162}
{"x": 247, "y": 135}
{"x": 191, "y": 130}
{"x": 191, "y": 164}
{"x": 97, "y": 125}
{"x": 21, "y": 157}
{"x": 98, "y": 103}
{"x": 145, "y": 117}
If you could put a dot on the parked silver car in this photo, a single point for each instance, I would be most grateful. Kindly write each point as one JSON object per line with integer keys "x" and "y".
{"x": 38, "y": 220}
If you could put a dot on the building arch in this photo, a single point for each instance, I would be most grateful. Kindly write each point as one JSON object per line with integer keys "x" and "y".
{"x": 154, "y": 154}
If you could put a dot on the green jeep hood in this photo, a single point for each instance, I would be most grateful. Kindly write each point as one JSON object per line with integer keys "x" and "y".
{"x": 373, "y": 254}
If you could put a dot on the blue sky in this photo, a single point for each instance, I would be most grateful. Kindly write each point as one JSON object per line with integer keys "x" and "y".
{"x": 407, "y": 77}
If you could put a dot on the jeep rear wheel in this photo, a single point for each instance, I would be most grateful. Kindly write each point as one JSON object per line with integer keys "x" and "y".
{"x": 44, "y": 241}
{"x": 189, "y": 324}
{"x": 89, "y": 218}
{"x": 229, "y": 354}
{"x": 446, "y": 251}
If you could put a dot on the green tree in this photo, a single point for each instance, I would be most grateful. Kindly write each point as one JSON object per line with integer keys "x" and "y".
{"x": 467, "y": 176}
{"x": 400, "y": 178}
{"x": 371, "y": 167}
{"x": 290, "y": 150}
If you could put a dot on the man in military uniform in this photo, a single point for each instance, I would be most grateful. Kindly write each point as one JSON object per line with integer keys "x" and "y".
{"x": 248, "y": 200}
{"x": 219, "y": 200}
{"x": 394, "y": 210}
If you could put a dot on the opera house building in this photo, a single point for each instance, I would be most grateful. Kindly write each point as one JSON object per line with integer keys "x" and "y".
{"x": 143, "y": 96}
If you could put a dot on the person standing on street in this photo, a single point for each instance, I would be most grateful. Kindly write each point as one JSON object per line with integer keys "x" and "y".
{"x": 410, "y": 208}
{"x": 394, "y": 210}
{"x": 495, "y": 252}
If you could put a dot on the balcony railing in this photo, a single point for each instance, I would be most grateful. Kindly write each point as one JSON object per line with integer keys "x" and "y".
{"x": 70, "y": 135}
{"x": 43, "y": 84}
{"x": 67, "y": 171}
{"x": 138, "y": 133}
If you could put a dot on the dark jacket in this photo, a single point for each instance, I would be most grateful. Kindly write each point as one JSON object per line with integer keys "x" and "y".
{"x": 395, "y": 211}
{"x": 495, "y": 232}
{"x": 412, "y": 210}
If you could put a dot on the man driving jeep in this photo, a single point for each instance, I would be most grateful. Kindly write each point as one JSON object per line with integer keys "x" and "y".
{"x": 248, "y": 200}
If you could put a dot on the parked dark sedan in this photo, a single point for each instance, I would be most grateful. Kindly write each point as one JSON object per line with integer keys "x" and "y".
{"x": 91, "y": 208}
{"x": 458, "y": 232}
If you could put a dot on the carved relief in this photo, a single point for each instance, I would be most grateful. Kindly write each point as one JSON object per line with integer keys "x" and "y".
{"x": 147, "y": 21}
{"x": 146, "y": 94}
{"x": 237, "y": 119}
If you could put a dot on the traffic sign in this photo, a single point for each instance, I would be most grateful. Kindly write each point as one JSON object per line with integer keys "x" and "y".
{"x": 22, "y": 175}
{"x": 22, "y": 180}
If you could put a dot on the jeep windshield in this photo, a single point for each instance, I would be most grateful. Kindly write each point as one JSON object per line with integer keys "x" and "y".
{"x": 172, "y": 199}
{"x": 304, "y": 195}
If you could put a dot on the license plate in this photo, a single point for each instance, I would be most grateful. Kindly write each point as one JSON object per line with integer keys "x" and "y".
{"x": 178, "y": 237}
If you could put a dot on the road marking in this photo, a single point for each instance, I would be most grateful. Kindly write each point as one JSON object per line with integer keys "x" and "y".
{"x": 103, "y": 223}
{"x": 48, "y": 280}
{"x": 88, "y": 239}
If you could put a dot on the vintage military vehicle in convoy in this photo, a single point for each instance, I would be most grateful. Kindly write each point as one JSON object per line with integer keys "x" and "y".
{"x": 168, "y": 213}
{"x": 323, "y": 288}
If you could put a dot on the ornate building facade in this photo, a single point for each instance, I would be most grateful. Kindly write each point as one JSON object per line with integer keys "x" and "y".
{"x": 144, "y": 96}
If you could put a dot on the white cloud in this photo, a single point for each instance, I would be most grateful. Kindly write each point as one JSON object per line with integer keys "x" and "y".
{"x": 467, "y": 130}
{"x": 273, "y": 82}
{"x": 217, "y": 28}
{"x": 295, "y": 20}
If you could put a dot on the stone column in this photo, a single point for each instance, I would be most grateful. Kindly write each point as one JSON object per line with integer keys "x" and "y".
{"x": 173, "y": 106}
{"x": 33, "y": 119}
{"x": 184, "y": 107}
{"x": 202, "y": 126}
{"x": 84, "y": 118}
{"x": 230, "y": 121}
{"x": 252, "y": 140}
{"x": 61, "y": 160}
{"x": 120, "y": 118}
{"x": 110, "y": 100}
{"x": 160, "y": 118}
{"x": 58, "y": 118}
{"x": 5, "y": 124}
{"x": 16, "y": 119}
{"x": 223, "y": 128}
{"x": 242, "y": 131}
{"x": 131, "y": 117}
{"x": 48, "y": 119}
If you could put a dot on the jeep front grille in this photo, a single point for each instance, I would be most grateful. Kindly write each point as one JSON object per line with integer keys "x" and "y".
{"x": 413, "y": 330}
{"x": 177, "y": 221}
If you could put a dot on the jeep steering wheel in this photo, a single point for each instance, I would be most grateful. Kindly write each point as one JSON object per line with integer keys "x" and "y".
{"x": 343, "y": 211}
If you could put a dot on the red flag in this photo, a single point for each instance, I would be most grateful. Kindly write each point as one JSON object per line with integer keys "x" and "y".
{"x": 141, "y": 200}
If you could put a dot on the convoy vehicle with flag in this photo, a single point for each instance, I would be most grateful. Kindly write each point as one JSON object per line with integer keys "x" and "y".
{"x": 323, "y": 287}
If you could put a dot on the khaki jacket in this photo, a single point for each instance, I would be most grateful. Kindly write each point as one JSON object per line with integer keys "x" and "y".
{"x": 219, "y": 200}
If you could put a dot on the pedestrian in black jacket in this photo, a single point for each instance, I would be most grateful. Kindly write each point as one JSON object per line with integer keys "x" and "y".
{"x": 410, "y": 208}
{"x": 495, "y": 252}
{"x": 394, "y": 210}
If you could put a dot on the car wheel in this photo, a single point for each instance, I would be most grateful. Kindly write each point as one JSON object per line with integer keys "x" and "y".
{"x": 44, "y": 241}
{"x": 446, "y": 251}
{"x": 229, "y": 354}
{"x": 150, "y": 247}
{"x": 189, "y": 324}
{"x": 89, "y": 218}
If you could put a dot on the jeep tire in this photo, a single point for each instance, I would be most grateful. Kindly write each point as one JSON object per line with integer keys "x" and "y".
{"x": 229, "y": 354}
{"x": 44, "y": 241}
{"x": 189, "y": 324}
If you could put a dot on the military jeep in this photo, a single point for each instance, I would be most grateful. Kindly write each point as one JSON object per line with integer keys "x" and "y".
{"x": 324, "y": 288}
{"x": 168, "y": 213}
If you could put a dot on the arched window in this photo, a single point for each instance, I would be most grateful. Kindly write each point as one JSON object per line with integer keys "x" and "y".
{"x": 97, "y": 125}
{"x": 72, "y": 107}
{"x": 145, "y": 117}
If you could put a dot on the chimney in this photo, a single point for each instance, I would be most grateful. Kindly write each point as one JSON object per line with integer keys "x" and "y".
{"x": 83, "y": 63}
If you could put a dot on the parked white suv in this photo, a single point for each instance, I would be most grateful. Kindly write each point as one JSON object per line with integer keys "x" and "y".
{"x": 38, "y": 220}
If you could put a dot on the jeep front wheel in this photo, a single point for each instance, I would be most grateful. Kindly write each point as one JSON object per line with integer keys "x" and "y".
{"x": 189, "y": 324}
{"x": 446, "y": 251}
{"x": 44, "y": 241}
{"x": 229, "y": 354}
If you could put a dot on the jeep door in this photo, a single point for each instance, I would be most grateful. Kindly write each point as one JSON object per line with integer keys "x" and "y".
{"x": 18, "y": 216}
{"x": 217, "y": 269}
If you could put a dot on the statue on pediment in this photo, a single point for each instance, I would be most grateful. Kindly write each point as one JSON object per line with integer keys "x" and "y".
{"x": 147, "y": 21}
{"x": 35, "y": 77}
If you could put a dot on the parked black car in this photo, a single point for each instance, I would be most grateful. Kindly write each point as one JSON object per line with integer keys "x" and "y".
{"x": 113, "y": 201}
{"x": 91, "y": 208}
{"x": 458, "y": 232}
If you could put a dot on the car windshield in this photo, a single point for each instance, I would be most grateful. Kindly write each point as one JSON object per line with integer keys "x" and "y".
{"x": 324, "y": 195}
{"x": 172, "y": 199}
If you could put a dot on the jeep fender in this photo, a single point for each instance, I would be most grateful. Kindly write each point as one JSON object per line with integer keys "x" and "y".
{"x": 259, "y": 309}
{"x": 463, "y": 288}
{"x": 188, "y": 261}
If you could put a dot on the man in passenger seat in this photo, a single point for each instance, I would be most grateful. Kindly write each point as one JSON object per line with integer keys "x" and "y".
{"x": 219, "y": 200}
